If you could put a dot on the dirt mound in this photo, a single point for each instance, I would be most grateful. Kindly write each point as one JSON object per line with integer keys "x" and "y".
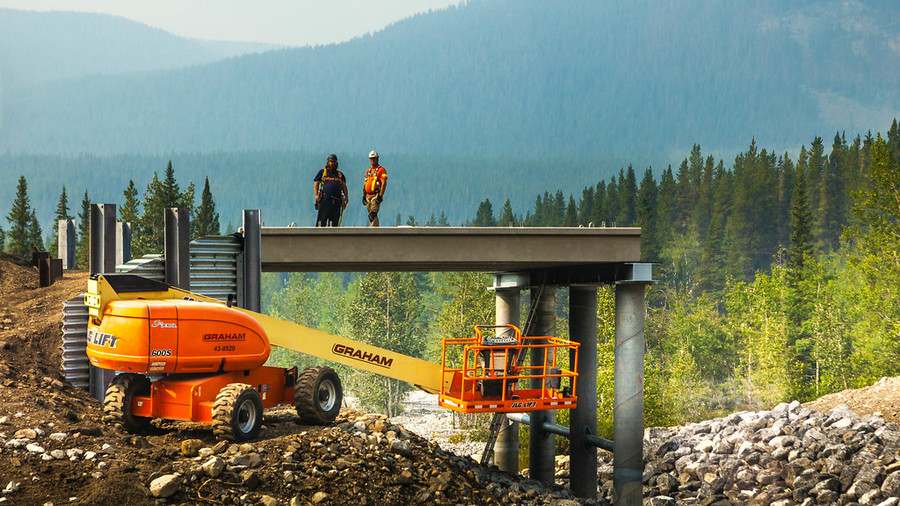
{"x": 881, "y": 399}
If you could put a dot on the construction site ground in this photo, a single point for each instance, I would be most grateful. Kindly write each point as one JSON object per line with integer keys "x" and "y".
{"x": 55, "y": 449}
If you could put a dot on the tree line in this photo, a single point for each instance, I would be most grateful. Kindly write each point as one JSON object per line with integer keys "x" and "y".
{"x": 146, "y": 217}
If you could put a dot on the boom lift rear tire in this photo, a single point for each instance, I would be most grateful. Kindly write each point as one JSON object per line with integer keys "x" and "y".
{"x": 237, "y": 412}
{"x": 319, "y": 395}
{"x": 117, "y": 401}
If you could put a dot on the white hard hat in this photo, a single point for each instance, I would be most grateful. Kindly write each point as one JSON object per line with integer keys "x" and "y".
{"x": 373, "y": 154}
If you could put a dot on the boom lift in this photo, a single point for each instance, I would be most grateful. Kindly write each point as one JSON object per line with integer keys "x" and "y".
{"x": 185, "y": 356}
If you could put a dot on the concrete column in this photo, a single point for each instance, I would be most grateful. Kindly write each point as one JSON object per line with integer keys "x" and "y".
{"x": 123, "y": 243}
{"x": 628, "y": 412}
{"x": 67, "y": 243}
{"x": 542, "y": 451}
{"x": 583, "y": 421}
{"x": 506, "y": 449}
{"x": 252, "y": 261}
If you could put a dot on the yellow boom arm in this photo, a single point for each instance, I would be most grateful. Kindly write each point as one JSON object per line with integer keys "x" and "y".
{"x": 103, "y": 289}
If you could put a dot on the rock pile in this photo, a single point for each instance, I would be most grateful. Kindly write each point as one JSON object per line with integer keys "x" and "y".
{"x": 789, "y": 455}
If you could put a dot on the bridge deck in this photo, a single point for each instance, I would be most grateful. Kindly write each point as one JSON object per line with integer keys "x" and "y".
{"x": 358, "y": 249}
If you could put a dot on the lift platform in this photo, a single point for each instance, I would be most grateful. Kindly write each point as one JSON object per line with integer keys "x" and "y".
{"x": 487, "y": 373}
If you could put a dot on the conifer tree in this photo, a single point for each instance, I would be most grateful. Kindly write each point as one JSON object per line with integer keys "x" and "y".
{"x": 484, "y": 216}
{"x": 130, "y": 212}
{"x": 20, "y": 217}
{"x": 206, "y": 222}
{"x": 831, "y": 202}
{"x": 646, "y": 216}
{"x": 158, "y": 196}
{"x": 586, "y": 206}
{"x": 711, "y": 272}
{"x": 799, "y": 294}
{"x": 598, "y": 216}
{"x": 627, "y": 197}
{"x": 35, "y": 235}
{"x": 507, "y": 217}
{"x": 666, "y": 207}
{"x": 443, "y": 221}
{"x": 571, "y": 217}
{"x": 83, "y": 247}
{"x": 815, "y": 169}
{"x": 62, "y": 213}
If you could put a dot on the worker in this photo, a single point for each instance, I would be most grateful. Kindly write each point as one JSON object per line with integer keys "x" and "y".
{"x": 330, "y": 187}
{"x": 373, "y": 188}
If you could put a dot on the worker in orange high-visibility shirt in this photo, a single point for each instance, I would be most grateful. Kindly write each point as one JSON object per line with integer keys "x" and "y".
{"x": 373, "y": 188}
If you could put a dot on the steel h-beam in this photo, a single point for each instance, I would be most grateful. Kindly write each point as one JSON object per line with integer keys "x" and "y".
{"x": 583, "y": 419}
{"x": 103, "y": 238}
{"x": 177, "y": 247}
{"x": 252, "y": 271}
{"x": 506, "y": 449}
{"x": 542, "y": 451}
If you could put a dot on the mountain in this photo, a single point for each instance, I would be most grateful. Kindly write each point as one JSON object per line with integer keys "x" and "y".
{"x": 41, "y": 47}
{"x": 513, "y": 78}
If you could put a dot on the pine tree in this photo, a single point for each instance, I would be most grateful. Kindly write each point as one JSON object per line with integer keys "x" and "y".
{"x": 129, "y": 212}
{"x": 83, "y": 247}
{"x": 815, "y": 170}
{"x": 799, "y": 297}
{"x": 484, "y": 215}
{"x": 627, "y": 197}
{"x": 443, "y": 221}
{"x": 666, "y": 208}
{"x": 35, "y": 235}
{"x": 586, "y": 206}
{"x": 20, "y": 221}
{"x": 831, "y": 210}
{"x": 62, "y": 213}
{"x": 598, "y": 216}
{"x": 206, "y": 222}
{"x": 571, "y": 217}
{"x": 158, "y": 196}
{"x": 507, "y": 217}
{"x": 646, "y": 217}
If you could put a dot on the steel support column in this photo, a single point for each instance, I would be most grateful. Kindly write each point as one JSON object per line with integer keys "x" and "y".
{"x": 252, "y": 261}
{"x": 123, "y": 243}
{"x": 628, "y": 412}
{"x": 506, "y": 449}
{"x": 542, "y": 451}
{"x": 178, "y": 247}
{"x": 103, "y": 238}
{"x": 583, "y": 421}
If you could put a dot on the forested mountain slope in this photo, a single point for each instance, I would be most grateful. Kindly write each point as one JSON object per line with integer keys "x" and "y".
{"x": 522, "y": 78}
{"x": 40, "y": 47}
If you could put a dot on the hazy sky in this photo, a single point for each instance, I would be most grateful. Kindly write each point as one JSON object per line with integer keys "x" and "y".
{"x": 289, "y": 22}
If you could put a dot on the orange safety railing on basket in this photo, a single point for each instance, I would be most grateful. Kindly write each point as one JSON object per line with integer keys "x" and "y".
{"x": 491, "y": 373}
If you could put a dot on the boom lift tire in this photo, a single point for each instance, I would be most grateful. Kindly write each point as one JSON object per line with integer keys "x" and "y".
{"x": 117, "y": 401}
{"x": 319, "y": 395}
{"x": 237, "y": 412}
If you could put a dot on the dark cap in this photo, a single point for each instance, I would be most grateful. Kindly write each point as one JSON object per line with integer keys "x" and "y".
{"x": 332, "y": 157}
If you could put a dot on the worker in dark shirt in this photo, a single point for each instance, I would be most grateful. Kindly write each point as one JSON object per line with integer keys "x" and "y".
{"x": 330, "y": 187}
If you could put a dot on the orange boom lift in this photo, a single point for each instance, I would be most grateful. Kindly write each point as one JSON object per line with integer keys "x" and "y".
{"x": 185, "y": 356}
